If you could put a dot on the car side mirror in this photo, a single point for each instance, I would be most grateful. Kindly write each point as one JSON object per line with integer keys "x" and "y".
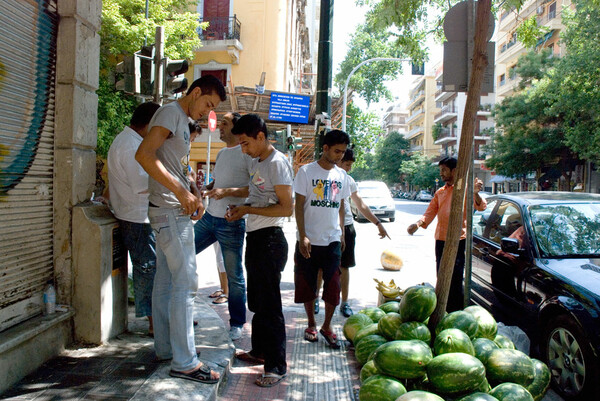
{"x": 510, "y": 245}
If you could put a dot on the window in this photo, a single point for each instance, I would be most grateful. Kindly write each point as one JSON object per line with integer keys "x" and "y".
{"x": 480, "y": 218}
{"x": 505, "y": 222}
{"x": 502, "y": 80}
{"x": 552, "y": 11}
{"x": 512, "y": 72}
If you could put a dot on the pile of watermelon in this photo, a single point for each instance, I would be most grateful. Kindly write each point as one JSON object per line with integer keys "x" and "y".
{"x": 465, "y": 359}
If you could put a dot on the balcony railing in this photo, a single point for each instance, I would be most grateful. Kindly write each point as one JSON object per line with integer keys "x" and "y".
{"x": 448, "y": 109}
{"x": 221, "y": 28}
{"x": 447, "y": 133}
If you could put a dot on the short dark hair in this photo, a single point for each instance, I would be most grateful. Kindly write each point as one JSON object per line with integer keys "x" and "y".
{"x": 143, "y": 114}
{"x": 235, "y": 116}
{"x": 348, "y": 155}
{"x": 209, "y": 84}
{"x": 251, "y": 125}
{"x": 194, "y": 126}
{"x": 449, "y": 162}
{"x": 336, "y": 137}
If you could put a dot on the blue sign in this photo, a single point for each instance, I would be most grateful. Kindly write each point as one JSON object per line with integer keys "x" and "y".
{"x": 289, "y": 107}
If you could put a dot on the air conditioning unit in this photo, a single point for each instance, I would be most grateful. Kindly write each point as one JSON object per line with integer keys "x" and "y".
{"x": 540, "y": 10}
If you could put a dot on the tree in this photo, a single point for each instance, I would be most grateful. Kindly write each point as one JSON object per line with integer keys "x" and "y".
{"x": 124, "y": 28}
{"x": 389, "y": 155}
{"x": 419, "y": 171}
{"x": 364, "y": 129}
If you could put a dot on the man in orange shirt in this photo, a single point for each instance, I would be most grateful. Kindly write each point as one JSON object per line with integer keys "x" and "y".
{"x": 440, "y": 207}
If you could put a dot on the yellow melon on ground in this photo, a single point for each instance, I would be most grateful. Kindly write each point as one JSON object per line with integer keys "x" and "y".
{"x": 390, "y": 260}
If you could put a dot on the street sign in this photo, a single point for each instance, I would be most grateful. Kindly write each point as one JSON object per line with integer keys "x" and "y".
{"x": 212, "y": 121}
{"x": 289, "y": 107}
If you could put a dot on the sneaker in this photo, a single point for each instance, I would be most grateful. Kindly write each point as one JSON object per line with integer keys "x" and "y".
{"x": 317, "y": 306}
{"x": 346, "y": 311}
{"x": 235, "y": 333}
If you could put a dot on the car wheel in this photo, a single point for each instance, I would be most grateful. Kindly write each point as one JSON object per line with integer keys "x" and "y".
{"x": 392, "y": 219}
{"x": 568, "y": 353}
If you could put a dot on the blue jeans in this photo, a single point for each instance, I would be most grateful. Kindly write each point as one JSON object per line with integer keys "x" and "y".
{"x": 230, "y": 236}
{"x": 139, "y": 240}
{"x": 175, "y": 286}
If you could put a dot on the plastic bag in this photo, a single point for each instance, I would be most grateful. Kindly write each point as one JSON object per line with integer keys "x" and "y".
{"x": 516, "y": 335}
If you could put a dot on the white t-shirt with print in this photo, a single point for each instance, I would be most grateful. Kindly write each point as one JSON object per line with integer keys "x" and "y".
{"x": 353, "y": 188}
{"x": 323, "y": 191}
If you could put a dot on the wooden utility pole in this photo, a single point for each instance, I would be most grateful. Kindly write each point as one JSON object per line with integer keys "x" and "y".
{"x": 479, "y": 65}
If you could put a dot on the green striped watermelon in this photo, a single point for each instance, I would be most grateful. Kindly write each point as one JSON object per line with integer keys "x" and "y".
{"x": 413, "y": 331}
{"x": 458, "y": 320}
{"x": 367, "y": 371}
{"x": 419, "y": 395}
{"x": 478, "y": 396}
{"x": 455, "y": 373}
{"x": 381, "y": 388}
{"x": 388, "y": 325}
{"x": 541, "y": 380}
{"x": 417, "y": 303}
{"x": 354, "y": 323}
{"x": 403, "y": 359}
{"x": 511, "y": 392}
{"x": 374, "y": 313}
{"x": 366, "y": 331}
{"x": 509, "y": 365}
{"x": 483, "y": 347}
{"x": 486, "y": 324}
{"x": 366, "y": 346}
{"x": 390, "y": 306}
{"x": 504, "y": 342}
{"x": 452, "y": 340}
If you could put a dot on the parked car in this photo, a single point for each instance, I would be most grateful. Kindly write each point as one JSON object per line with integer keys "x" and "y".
{"x": 377, "y": 196}
{"x": 423, "y": 196}
{"x": 536, "y": 264}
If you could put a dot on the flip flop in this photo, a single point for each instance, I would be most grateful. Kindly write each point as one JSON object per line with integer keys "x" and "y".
{"x": 216, "y": 294}
{"x": 203, "y": 375}
{"x": 269, "y": 379}
{"x": 310, "y": 335}
{"x": 331, "y": 339}
{"x": 249, "y": 358}
{"x": 220, "y": 300}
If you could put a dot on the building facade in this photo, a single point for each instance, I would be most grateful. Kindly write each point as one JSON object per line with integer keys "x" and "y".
{"x": 421, "y": 111}
{"x": 394, "y": 119}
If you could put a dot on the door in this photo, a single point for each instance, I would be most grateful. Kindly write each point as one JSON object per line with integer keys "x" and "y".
{"x": 221, "y": 74}
{"x": 216, "y": 12}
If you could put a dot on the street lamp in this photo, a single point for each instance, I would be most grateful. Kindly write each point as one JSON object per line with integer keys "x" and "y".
{"x": 350, "y": 75}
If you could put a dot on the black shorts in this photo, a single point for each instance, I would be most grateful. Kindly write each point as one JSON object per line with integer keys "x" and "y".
{"x": 348, "y": 254}
{"x": 305, "y": 273}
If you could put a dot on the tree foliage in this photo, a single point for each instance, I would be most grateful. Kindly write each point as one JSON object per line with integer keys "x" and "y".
{"x": 419, "y": 171}
{"x": 390, "y": 153}
{"x": 364, "y": 129}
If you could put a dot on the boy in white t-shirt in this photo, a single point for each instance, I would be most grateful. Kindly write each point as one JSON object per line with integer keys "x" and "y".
{"x": 321, "y": 188}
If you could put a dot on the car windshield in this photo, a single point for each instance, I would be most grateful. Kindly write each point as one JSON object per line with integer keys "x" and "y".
{"x": 373, "y": 192}
{"x": 567, "y": 230}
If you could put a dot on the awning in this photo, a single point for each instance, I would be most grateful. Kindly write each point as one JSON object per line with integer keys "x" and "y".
{"x": 544, "y": 38}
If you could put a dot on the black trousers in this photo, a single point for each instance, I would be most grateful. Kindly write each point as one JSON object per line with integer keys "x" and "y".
{"x": 455, "y": 297}
{"x": 266, "y": 256}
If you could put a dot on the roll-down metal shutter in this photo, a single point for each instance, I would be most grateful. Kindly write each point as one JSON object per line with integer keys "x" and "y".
{"x": 27, "y": 84}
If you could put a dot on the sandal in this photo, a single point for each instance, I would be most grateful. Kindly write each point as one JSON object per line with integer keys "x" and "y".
{"x": 203, "y": 375}
{"x": 269, "y": 379}
{"x": 331, "y": 339}
{"x": 310, "y": 334}
{"x": 216, "y": 294}
{"x": 221, "y": 299}
{"x": 249, "y": 358}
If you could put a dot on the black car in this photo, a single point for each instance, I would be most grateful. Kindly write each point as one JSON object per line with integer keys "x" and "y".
{"x": 536, "y": 264}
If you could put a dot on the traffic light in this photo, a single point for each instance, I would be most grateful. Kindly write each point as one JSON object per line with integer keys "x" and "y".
{"x": 174, "y": 81}
{"x": 293, "y": 143}
{"x": 417, "y": 68}
{"x": 146, "y": 70}
{"x": 127, "y": 75}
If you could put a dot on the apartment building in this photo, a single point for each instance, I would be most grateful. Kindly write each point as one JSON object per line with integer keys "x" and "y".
{"x": 394, "y": 119}
{"x": 421, "y": 111}
{"x": 549, "y": 15}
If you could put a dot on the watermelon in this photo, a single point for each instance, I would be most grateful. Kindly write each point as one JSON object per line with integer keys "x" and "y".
{"x": 366, "y": 331}
{"x": 419, "y": 395}
{"x": 354, "y": 323}
{"x": 390, "y": 306}
{"x": 541, "y": 380}
{"x": 418, "y": 302}
{"x": 511, "y": 392}
{"x": 509, "y": 365}
{"x": 458, "y": 320}
{"x": 504, "y": 342}
{"x": 452, "y": 340}
{"x": 478, "y": 396}
{"x": 455, "y": 373}
{"x": 413, "y": 331}
{"x": 388, "y": 325}
{"x": 486, "y": 324}
{"x": 366, "y": 346}
{"x": 403, "y": 359}
{"x": 381, "y": 388}
{"x": 367, "y": 371}
{"x": 483, "y": 347}
{"x": 374, "y": 313}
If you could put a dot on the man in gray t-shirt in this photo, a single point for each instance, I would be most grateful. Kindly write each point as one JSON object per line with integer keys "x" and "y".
{"x": 164, "y": 154}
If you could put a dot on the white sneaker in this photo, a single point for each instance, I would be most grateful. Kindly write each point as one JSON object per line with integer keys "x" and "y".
{"x": 235, "y": 333}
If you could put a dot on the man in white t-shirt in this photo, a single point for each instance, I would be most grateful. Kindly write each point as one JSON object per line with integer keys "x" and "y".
{"x": 269, "y": 202}
{"x": 321, "y": 188}
{"x": 128, "y": 193}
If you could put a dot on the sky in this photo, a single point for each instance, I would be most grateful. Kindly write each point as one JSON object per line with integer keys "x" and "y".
{"x": 346, "y": 17}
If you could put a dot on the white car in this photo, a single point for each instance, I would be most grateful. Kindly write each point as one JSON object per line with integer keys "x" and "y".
{"x": 377, "y": 196}
{"x": 424, "y": 196}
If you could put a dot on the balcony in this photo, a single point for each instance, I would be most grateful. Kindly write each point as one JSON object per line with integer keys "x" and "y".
{"x": 415, "y": 131}
{"x": 417, "y": 96}
{"x": 414, "y": 116}
{"x": 221, "y": 28}
{"x": 446, "y": 135}
{"x": 448, "y": 112}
